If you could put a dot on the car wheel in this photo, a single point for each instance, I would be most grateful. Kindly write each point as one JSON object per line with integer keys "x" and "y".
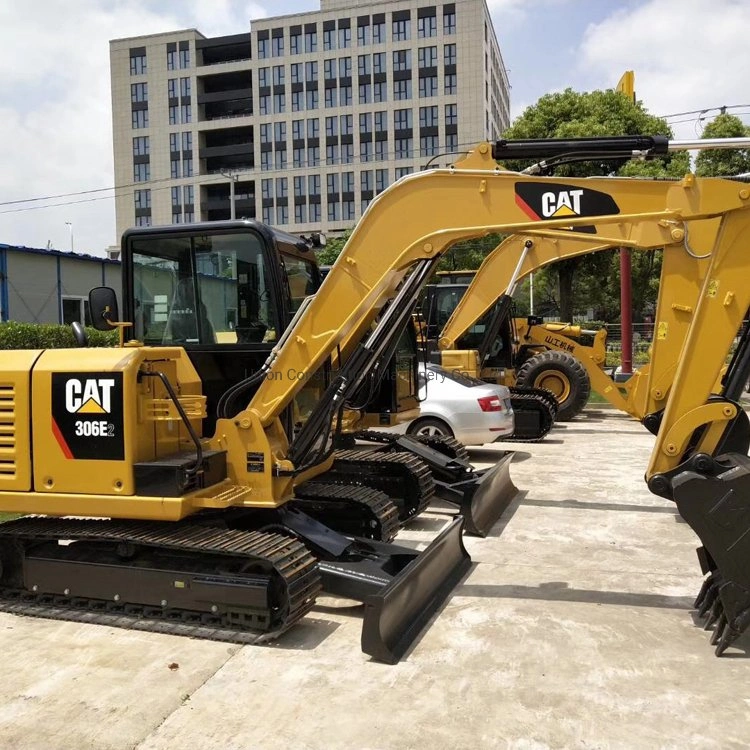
{"x": 562, "y": 374}
{"x": 429, "y": 427}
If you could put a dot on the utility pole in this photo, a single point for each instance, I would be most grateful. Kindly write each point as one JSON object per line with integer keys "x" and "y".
{"x": 70, "y": 227}
{"x": 233, "y": 177}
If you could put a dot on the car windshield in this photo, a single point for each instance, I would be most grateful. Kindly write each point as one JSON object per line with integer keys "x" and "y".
{"x": 456, "y": 376}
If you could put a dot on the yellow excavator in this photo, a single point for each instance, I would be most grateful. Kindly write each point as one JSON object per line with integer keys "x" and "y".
{"x": 553, "y": 355}
{"x": 141, "y": 519}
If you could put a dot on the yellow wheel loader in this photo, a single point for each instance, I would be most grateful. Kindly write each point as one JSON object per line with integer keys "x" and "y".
{"x": 141, "y": 519}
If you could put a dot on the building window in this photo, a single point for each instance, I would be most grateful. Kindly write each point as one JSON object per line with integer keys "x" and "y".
{"x": 329, "y": 69}
{"x": 138, "y": 92}
{"x": 174, "y": 115}
{"x": 428, "y": 145}
{"x": 278, "y": 75}
{"x": 265, "y": 104}
{"x": 280, "y": 159}
{"x": 449, "y": 23}
{"x": 449, "y": 54}
{"x": 365, "y": 180}
{"x": 402, "y": 60}
{"x": 187, "y": 141}
{"x": 313, "y": 156}
{"x": 277, "y": 46}
{"x": 262, "y": 49}
{"x": 347, "y": 182}
{"x": 141, "y": 145}
{"x": 185, "y": 87}
{"x": 363, "y": 65}
{"x": 176, "y": 196}
{"x": 378, "y": 62}
{"x": 332, "y": 126}
{"x": 265, "y": 161}
{"x": 300, "y": 213}
{"x": 345, "y": 38}
{"x": 172, "y": 88}
{"x": 282, "y": 187}
{"x": 314, "y": 212}
{"x": 298, "y": 129}
{"x": 279, "y": 103}
{"x": 402, "y": 89}
{"x": 363, "y": 35}
{"x": 311, "y": 72}
{"x": 279, "y": 132}
{"x": 137, "y": 65}
{"x": 380, "y": 92}
{"x": 365, "y": 151}
{"x": 263, "y": 74}
{"x": 142, "y": 198}
{"x": 299, "y": 187}
{"x": 265, "y": 132}
{"x": 331, "y": 98}
{"x": 298, "y": 157}
{"x": 451, "y": 86}
{"x": 427, "y": 57}
{"x": 294, "y": 43}
{"x": 184, "y": 59}
{"x": 298, "y": 102}
{"x": 171, "y": 59}
{"x": 186, "y": 112}
{"x": 428, "y": 117}
{"x": 345, "y": 67}
{"x": 381, "y": 180}
{"x": 347, "y": 124}
{"x": 347, "y": 153}
{"x": 451, "y": 114}
{"x": 75, "y": 309}
{"x": 381, "y": 121}
{"x": 187, "y": 166}
{"x": 345, "y": 96}
{"x": 282, "y": 214}
{"x": 311, "y": 41}
{"x": 365, "y": 123}
{"x": 296, "y": 72}
{"x": 428, "y": 87}
{"x": 143, "y": 221}
{"x": 427, "y": 26}
{"x": 313, "y": 184}
{"x": 266, "y": 188}
{"x": 313, "y": 127}
{"x": 189, "y": 217}
{"x": 403, "y": 171}
{"x": 403, "y": 148}
{"x": 267, "y": 212}
{"x": 347, "y": 210}
{"x": 176, "y": 217}
{"x": 378, "y": 33}
{"x": 334, "y": 213}
{"x": 402, "y": 119}
{"x": 451, "y": 143}
{"x": 329, "y": 39}
{"x": 175, "y": 170}
{"x": 141, "y": 172}
{"x": 401, "y": 31}
{"x": 140, "y": 118}
{"x": 311, "y": 98}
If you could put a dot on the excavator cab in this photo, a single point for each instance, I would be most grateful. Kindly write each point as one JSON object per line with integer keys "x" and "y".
{"x": 223, "y": 291}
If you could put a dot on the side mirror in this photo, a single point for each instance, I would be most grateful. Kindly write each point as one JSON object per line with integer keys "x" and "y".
{"x": 103, "y": 308}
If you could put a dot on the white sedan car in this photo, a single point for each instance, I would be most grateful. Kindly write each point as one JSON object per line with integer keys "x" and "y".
{"x": 463, "y": 407}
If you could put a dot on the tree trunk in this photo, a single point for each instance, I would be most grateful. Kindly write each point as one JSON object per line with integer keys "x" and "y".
{"x": 565, "y": 273}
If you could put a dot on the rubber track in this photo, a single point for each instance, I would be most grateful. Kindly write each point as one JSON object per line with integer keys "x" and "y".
{"x": 455, "y": 449}
{"x": 376, "y": 507}
{"x": 522, "y": 400}
{"x": 368, "y": 468}
{"x": 290, "y": 559}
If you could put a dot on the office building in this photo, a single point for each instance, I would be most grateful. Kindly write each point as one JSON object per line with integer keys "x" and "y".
{"x": 305, "y": 118}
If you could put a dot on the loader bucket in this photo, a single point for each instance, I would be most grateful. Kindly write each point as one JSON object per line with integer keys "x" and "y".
{"x": 483, "y": 497}
{"x": 395, "y": 617}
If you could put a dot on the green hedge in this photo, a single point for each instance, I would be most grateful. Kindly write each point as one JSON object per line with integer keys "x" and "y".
{"x": 14, "y": 335}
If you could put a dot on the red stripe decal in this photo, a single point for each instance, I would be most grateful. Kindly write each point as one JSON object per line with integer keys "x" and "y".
{"x": 526, "y": 208}
{"x": 61, "y": 440}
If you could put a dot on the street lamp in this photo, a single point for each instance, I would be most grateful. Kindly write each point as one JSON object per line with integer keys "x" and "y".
{"x": 70, "y": 227}
{"x": 233, "y": 177}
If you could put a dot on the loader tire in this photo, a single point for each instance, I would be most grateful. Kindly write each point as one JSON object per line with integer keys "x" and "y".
{"x": 563, "y": 375}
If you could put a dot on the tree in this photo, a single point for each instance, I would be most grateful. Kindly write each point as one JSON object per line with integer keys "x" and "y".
{"x": 334, "y": 245}
{"x": 572, "y": 114}
{"x": 469, "y": 254}
{"x": 724, "y": 163}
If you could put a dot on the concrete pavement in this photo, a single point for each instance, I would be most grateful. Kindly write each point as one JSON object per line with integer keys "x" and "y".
{"x": 572, "y": 630}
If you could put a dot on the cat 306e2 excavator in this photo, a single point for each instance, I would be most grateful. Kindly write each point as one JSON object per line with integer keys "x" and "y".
{"x": 202, "y": 532}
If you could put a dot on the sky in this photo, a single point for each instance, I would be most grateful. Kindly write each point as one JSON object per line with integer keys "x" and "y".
{"x": 55, "y": 107}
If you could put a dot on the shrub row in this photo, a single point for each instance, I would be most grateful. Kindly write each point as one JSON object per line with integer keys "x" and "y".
{"x": 14, "y": 335}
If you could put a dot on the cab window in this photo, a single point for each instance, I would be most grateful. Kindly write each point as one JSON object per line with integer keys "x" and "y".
{"x": 302, "y": 278}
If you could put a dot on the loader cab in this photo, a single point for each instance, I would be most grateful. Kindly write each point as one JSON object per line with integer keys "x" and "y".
{"x": 438, "y": 304}
{"x": 224, "y": 291}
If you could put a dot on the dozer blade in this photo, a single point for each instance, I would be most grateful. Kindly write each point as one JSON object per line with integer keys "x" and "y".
{"x": 401, "y": 588}
{"x": 483, "y": 497}
{"x": 715, "y": 501}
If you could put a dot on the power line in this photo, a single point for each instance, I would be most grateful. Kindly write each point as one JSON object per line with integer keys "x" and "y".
{"x": 723, "y": 109}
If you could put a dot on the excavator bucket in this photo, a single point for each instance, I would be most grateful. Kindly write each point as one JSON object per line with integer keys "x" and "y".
{"x": 714, "y": 499}
{"x": 483, "y": 497}
{"x": 401, "y": 588}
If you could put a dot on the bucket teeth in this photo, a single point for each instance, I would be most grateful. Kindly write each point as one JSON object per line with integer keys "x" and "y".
{"x": 726, "y": 613}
